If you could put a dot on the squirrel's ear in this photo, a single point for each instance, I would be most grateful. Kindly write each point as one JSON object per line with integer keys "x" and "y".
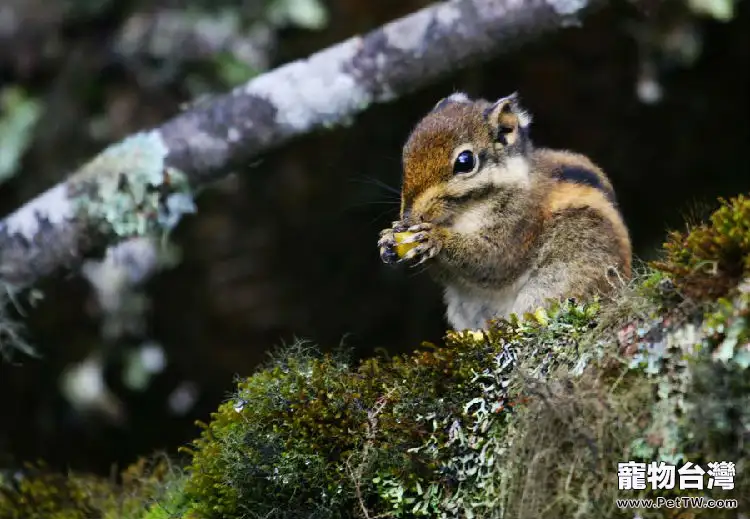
{"x": 458, "y": 97}
{"x": 508, "y": 119}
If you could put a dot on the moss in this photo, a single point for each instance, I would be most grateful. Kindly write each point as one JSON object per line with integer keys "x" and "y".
{"x": 719, "y": 421}
{"x": 710, "y": 259}
{"x": 528, "y": 419}
{"x": 37, "y": 493}
{"x": 314, "y": 434}
{"x": 699, "y": 409}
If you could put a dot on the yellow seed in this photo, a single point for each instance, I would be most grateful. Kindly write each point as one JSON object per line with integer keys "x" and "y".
{"x": 403, "y": 248}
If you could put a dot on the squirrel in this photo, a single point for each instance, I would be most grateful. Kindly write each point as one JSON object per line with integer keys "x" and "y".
{"x": 502, "y": 225}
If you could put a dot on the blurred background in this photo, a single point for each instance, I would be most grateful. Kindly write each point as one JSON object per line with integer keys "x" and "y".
{"x": 285, "y": 249}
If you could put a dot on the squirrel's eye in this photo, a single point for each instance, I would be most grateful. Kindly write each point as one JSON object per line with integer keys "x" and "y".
{"x": 465, "y": 162}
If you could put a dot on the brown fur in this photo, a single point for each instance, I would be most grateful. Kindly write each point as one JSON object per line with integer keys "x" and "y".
{"x": 515, "y": 231}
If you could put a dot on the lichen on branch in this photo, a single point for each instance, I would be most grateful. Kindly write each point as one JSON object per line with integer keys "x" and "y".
{"x": 129, "y": 191}
{"x": 324, "y": 90}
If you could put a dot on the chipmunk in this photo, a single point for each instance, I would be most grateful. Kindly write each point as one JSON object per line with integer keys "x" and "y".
{"x": 502, "y": 225}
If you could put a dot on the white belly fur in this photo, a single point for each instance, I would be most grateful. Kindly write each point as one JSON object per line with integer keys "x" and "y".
{"x": 472, "y": 307}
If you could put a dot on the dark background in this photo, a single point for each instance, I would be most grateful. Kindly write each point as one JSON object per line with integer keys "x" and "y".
{"x": 286, "y": 249}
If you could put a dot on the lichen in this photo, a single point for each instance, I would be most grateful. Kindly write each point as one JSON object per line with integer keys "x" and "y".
{"x": 20, "y": 114}
{"x": 524, "y": 420}
{"x": 414, "y": 435}
{"x": 128, "y": 189}
{"x": 528, "y": 419}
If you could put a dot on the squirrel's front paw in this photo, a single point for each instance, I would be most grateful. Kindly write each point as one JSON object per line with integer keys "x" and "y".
{"x": 423, "y": 244}
{"x": 413, "y": 245}
{"x": 388, "y": 243}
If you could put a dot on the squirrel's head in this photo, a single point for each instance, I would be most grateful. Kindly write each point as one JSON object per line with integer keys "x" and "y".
{"x": 461, "y": 151}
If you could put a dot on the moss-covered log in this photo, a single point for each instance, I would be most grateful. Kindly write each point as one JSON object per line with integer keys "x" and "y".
{"x": 526, "y": 420}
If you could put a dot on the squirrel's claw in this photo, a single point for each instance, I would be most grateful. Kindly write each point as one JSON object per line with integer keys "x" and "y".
{"x": 387, "y": 240}
{"x": 420, "y": 254}
{"x": 420, "y": 227}
{"x": 387, "y": 246}
{"x": 388, "y": 255}
{"x": 417, "y": 237}
{"x": 426, "y": 249}
{"x": 399, "y": 226}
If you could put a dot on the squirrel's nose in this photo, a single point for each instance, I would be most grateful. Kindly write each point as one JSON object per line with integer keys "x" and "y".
{"x": 406, "y": 214}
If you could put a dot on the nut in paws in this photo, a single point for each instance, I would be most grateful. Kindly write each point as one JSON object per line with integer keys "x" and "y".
{"x": 413, "y": 244}
{"x": 390, "y": 240}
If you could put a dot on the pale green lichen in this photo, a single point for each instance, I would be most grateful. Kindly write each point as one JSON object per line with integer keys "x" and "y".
{"x": 129, "y": 190}
{"x": 722, "y": 10}
{"x": 308, "y": 14}
{"x": 19, "y": 115}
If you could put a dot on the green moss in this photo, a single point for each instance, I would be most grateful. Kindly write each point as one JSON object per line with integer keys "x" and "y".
{"x": 37, "y": 493}
{"x": 314, "y": 434}
{"x": 528, "y": 419}
{"x": 710, "y": 259}
{"x": 128, "y": 190}
{"x": 698, "y": 412}
{"x": 720, "y": 418}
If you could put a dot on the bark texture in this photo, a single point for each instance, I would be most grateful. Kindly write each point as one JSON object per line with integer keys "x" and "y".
{"x": 59, "y": 228}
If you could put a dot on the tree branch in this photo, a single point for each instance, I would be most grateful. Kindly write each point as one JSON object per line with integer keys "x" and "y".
{"x": 143, "y": 184}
